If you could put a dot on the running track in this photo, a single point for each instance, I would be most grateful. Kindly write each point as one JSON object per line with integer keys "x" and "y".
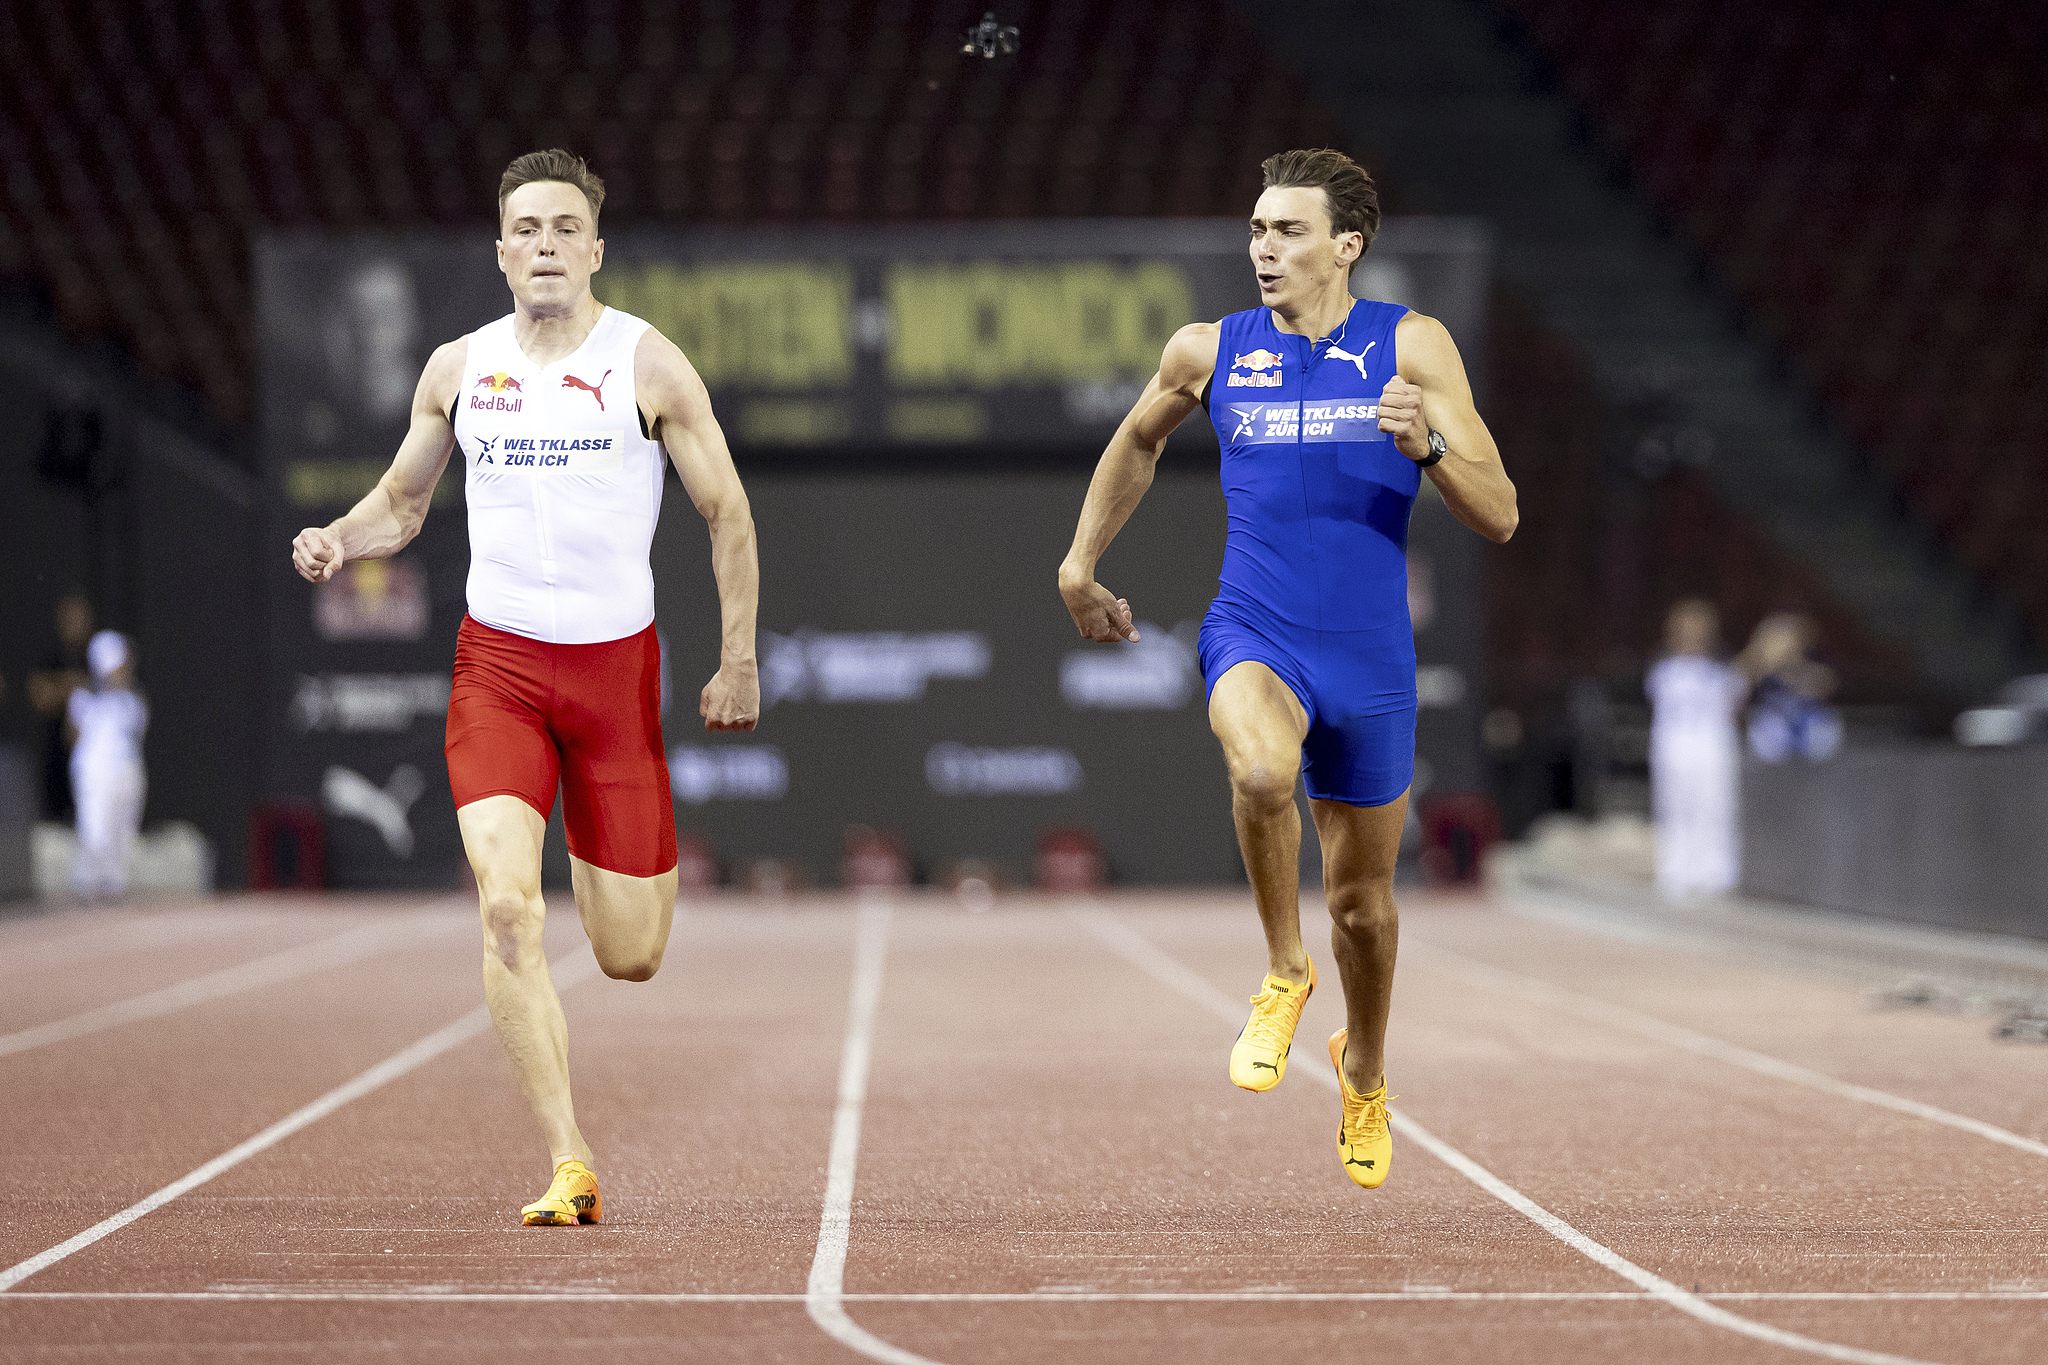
{"x": 837, "y": 1129}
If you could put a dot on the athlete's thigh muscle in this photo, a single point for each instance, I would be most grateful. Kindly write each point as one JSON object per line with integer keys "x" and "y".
{"x": 502, "y": 836}
{"x": 626, "y": 918}
{"x": 1360, "y": 843}
{"x": 1258, "y": 719}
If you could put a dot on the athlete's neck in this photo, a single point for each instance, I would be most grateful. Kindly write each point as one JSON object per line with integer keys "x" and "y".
{"x": 546, "y": 337}
{"x": 1318, "y": 319}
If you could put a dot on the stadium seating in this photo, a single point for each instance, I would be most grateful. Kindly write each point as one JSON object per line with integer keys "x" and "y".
{"x": 146, "y": 141}
{"x": 1872, "y": 183}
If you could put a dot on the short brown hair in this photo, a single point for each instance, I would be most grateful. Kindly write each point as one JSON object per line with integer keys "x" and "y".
{"x": 1354, "y": 201}
{"x": 552, "y": 164}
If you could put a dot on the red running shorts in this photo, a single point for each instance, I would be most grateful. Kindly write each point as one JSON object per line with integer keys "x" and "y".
{"x": 525, "y": 715}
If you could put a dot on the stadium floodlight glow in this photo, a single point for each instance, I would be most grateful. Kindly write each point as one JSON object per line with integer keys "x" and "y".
{"x": 989, "y": 37}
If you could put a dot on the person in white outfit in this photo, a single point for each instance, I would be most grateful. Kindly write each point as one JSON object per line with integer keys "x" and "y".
{"x": 107, "y": 720}
{"x": 1694, "y": 757}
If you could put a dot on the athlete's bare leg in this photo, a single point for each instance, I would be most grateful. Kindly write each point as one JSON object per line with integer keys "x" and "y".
{"x": 1261, "y": 724}
{"x": 1360, "y": 845}
{"x": 626, "y": 918}
{"x": 502, "y": 835}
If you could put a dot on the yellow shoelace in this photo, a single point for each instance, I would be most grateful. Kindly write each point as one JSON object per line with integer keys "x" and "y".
{"x": 1268, "y": 1027}
{"x": 1371, "y": 1121}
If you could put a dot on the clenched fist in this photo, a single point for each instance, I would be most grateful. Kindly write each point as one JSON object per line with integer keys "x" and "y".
{"x": 316, "y": 554}
{"x": 732, "y": 699}
{"x": 1401, "y": 418}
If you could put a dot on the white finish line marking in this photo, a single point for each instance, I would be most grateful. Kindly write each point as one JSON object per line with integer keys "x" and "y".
{"x": 1169, "y": 971}
{"x": 390, "y": 1069}
{"x": 370, "y": 940}
{"x": 1649, "y": 1026}
{"x": 1044, "y": 1296}
{"x": 825, "y": 1291}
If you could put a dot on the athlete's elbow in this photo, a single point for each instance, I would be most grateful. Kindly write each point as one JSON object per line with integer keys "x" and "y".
{"x": 1503, "y": 528}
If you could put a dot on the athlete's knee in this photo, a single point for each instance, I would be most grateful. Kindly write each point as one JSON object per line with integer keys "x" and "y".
{"x": 628, "y": 964}
{"x": 1363, "y": 910}
{"x": 512, "y": 928}
{"x": 1262, "y": 785}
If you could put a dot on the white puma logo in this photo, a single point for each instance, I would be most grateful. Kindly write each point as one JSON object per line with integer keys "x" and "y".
{"x": 348, "y": 792}
{"x": 1358, "y": 360}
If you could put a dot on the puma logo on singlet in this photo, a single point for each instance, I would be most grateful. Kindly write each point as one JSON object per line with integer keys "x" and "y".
{"x": 1359, "y": 360}
{"x": 570, "y": 381}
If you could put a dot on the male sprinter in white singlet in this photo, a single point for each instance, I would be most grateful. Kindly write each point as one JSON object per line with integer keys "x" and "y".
{"x": 1328, "y": 409}
{"x": 564, "y": 411}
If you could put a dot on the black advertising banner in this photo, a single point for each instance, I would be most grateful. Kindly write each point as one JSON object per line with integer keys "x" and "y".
{"x": 919, "y": 672}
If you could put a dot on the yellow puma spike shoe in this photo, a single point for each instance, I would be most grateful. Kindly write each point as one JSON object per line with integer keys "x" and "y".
{"x": 1363, "y": 1141}
{"x": 1259, "y": 1057}
{"x": 572, "y": 1199}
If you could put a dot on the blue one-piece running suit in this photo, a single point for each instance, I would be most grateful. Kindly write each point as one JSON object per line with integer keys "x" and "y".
{"x": 1315, "y": 567}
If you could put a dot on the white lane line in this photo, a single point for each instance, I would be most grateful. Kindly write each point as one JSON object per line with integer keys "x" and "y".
{"x": 1649, "y": 1026}
{"x": 370, "y": 940}
{"x": 1152, "y": 960}
{"x": 135, "y": 933}
{"x": 825, "y": 1292}
{"x": 390, "y": 1069}
{"x": 1049, "y": 1296}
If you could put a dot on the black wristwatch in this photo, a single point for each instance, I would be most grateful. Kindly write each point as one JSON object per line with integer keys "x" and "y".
{"x": 1436, "y": 449}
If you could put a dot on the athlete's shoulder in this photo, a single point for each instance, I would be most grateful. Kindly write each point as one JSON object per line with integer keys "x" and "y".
{"x": 1190, "y": 354}
{"x": 441, "y": 380}
{"x": 1417, "y": 326}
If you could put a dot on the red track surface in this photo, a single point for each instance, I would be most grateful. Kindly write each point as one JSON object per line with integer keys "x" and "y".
{"x": 1048, "y": 1144}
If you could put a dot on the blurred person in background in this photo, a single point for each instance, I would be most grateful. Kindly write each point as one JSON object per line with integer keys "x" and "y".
{"x": 106, "y": 721}
{"x": 1694, "y": 756}
{"x": 1789, "y": 717}
{"x": 50, "y": 687}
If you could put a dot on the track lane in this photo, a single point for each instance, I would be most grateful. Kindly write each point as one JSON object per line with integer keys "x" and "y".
{"x": 92, "y": 965}
{"x": 707, "y": 1094}
{"x": 1004, "y": 1143}
{"x": 1107, "y": 1153}
{"x": 1717, "y": 1176}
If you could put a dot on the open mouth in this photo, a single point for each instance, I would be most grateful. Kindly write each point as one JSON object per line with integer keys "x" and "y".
{"x": 1268, "y": 281}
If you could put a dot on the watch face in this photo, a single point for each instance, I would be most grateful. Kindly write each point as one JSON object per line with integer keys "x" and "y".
{"x": 1436, "y": 443}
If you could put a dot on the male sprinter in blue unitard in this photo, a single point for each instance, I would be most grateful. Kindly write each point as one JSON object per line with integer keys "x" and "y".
{"x": 1327, "y": 408}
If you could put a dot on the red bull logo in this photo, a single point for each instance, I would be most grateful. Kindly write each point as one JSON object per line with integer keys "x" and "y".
{"x": 499, "y": 384}
{"x": 1258, "y": 362}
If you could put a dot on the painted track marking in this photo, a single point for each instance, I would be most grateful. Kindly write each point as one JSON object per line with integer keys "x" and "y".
{"x": 115, "y": 936}
{"x": 353, "y": 945}
{"x": 825, "y": 1291}
{"x": 1649, "y": 1026}
{"x": 1048, "y": 1296}
{"x": 1155, "y": 962}
{"x": 578, "y": 969}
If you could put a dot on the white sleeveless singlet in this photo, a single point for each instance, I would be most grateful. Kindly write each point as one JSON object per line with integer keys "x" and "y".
{"x": 563, "y": 488}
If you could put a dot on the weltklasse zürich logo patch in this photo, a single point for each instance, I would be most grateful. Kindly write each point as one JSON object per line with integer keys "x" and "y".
{"x": 554, "y": 452}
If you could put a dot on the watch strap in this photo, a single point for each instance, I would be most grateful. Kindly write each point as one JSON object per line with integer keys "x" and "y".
{"x": 1436, "y": 449}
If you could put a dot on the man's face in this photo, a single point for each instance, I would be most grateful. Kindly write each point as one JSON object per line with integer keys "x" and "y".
{"x": 548, "y": 245}
{"x": 1293, "y": 253}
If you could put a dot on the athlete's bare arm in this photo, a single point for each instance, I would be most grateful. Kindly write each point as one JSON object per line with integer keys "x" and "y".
{"x": 1430, "y": 390}
{"x": 390, "y": 515}
{"x": 678, "y": 411}
{"x": 1125, "y": 472}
